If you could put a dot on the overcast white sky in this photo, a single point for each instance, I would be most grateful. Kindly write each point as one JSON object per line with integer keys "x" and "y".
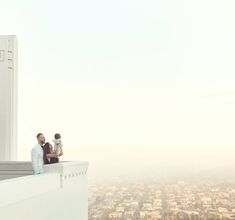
{"x": 129, "y": 84}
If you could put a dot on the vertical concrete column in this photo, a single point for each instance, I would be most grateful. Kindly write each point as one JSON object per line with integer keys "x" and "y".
{"x": 8, "y": 98}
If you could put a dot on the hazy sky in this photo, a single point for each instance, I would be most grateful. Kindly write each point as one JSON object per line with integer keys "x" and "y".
{"x": 130, "y": 85}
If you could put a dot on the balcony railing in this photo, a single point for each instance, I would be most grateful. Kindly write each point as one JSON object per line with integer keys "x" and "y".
{"x": 60, "y": 193}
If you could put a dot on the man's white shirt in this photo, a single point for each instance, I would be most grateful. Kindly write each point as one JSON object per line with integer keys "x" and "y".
{"x": 37, "y": 159}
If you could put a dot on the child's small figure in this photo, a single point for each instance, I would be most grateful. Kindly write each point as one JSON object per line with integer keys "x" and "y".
{"x": 58, "y": 146}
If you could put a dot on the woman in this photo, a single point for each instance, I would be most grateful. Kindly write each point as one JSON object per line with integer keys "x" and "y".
{"x": 48, "y": 155}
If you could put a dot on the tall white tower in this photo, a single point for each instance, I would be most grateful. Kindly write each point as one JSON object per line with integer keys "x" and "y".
{"x": 8, "y": 98}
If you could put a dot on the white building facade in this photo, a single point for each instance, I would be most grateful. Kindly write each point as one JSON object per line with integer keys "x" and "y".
{"x": 8, "y": 98}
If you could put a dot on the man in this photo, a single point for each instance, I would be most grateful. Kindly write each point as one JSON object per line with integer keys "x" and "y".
{"x": 37, "y": 155}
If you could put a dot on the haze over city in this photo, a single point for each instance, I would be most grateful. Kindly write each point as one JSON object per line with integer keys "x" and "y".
{"x": 132, "y": 86}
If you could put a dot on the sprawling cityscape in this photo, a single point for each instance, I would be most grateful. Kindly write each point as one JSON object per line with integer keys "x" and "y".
{"x": 162, "y": 200}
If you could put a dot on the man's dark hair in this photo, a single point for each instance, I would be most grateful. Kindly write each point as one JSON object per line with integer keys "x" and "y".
{"x": 39, "y": 134}
{"x": 57, "y": 136}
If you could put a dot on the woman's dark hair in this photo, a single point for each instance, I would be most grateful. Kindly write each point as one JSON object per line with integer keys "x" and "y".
{"x": 46, "y": 150}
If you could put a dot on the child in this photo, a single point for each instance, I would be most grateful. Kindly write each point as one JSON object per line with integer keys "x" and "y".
{"x": 58, "y": 146}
